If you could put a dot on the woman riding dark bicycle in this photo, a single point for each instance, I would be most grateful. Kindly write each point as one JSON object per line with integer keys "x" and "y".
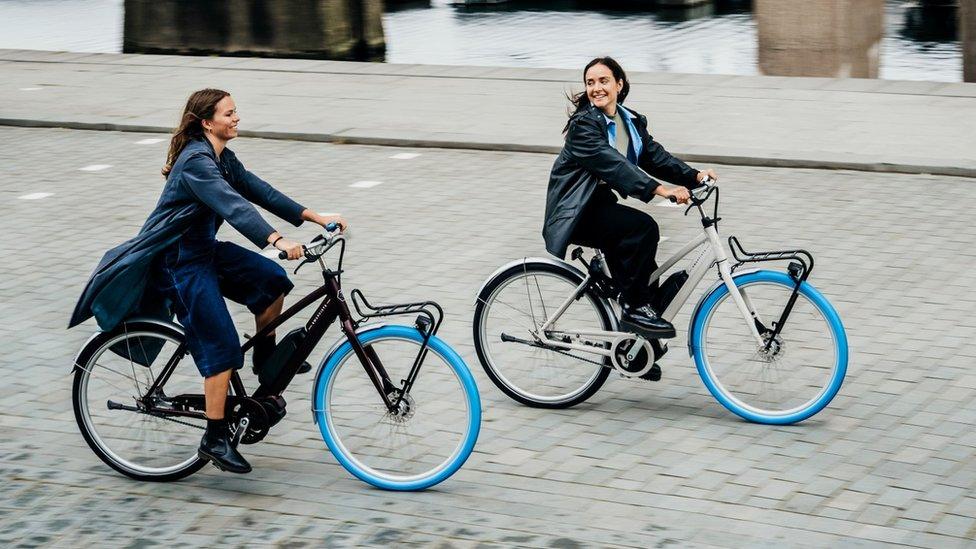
{"x": 608, "y": 149}
{"x": 176, "y": 265}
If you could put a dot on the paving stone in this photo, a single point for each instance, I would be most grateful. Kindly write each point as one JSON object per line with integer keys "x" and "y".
{"x": 875, "y": 466}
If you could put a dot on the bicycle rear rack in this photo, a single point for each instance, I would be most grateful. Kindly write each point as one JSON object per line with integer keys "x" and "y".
{"x": 800, "y": 270}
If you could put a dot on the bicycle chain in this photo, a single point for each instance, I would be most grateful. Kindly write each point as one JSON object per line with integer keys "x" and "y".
{"x": 571, "y": 355}
{"x": 175, "y": 421}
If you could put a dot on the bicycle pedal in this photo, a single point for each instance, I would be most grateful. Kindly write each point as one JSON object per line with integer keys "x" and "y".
{"x": 654, "y": 374}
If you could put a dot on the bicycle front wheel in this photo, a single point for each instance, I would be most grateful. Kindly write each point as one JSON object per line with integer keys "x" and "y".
{"x": 427, "y": 440}
{"x": 801, "y": 371}
{"x": 511, "y": 310}
{"x": 139, "y": 434}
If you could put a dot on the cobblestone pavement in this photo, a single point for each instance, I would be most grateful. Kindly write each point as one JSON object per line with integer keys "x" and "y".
{"x": 891, "y": 461}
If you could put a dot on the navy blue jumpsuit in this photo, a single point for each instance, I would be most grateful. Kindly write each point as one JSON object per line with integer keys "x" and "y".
{"x": 197, "y": 271}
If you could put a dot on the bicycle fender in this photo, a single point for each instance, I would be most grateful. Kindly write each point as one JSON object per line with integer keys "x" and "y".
{"x": 89, "y": 347}
{"x": 567, "y": 266}
{"x": 526, "y": 260}
{"x": 701, "y": 301}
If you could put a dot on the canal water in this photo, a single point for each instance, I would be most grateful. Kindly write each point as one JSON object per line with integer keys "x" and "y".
{"x": 918, "y": 42}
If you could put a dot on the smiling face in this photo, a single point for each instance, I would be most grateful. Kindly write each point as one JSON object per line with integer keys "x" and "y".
{"x": 601, "y": 88}
{"x": 223, "y": 125}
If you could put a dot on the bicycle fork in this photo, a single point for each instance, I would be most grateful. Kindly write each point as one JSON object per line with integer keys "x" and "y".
{"x": 741, "y": 299}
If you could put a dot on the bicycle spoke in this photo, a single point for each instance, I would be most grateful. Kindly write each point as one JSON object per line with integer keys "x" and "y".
{"x": 517, "y": 321}
{"x": 787, "y": 373}
{"x": 420, "y": 436}
{"x": 538, "y": 372}
{"x": 141, "y": 443}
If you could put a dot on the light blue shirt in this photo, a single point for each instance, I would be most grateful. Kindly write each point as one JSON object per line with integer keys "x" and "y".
{"x": 635, "y": 142}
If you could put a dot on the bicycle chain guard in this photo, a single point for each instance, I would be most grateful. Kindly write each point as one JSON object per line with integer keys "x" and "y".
{"x": 630, "y": 360}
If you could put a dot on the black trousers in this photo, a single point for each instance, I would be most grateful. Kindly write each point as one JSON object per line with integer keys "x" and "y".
{"x": 628, "y": 239}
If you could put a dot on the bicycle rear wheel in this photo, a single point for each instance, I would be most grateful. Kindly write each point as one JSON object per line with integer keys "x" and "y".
{"x": 126, "y": 428}
{"x": 427, "y": 440}
{"x": 516, "y": 303}
{"x": 804, "y": 366}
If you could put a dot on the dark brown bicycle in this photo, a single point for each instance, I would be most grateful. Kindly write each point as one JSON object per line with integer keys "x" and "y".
{"x": 397, "y": 406}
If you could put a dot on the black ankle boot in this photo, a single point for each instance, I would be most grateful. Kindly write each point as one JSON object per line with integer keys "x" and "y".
{"x": 216, "y": 447}
{"x": 647, "y": 321}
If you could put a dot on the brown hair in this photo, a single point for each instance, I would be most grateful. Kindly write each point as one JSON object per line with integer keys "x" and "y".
{"x": 580, "y": 101}
{"x": 199, "y": 107}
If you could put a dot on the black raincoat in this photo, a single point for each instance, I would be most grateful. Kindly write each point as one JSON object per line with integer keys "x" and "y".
{"x": 588, "y": 158}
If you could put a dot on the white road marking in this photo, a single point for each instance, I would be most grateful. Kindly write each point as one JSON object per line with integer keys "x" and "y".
{"x": 149, "y": 141}
{"x": 365, "y": 184}
{"x": 663, "y": 238}
{"x": 405, "y": 156}
{"x": 95, "y": 168}
{"x": 668, "y": 204}
{"x": 270, "y": 253}
{"x": 35, "y": 196}
{"x": 30, "y": 89}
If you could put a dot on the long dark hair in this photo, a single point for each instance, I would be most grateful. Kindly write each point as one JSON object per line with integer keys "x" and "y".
{"x": 580, "y": 101}
{"x": 199, "y": 107}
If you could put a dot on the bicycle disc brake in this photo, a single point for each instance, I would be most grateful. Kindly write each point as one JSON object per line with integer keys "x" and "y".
{"x": 406, "y": 409}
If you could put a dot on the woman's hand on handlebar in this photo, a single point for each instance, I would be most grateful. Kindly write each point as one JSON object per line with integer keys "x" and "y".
{"x": 294, "y": 250}
{"x": 707, "y": 174}
{"x": 328, "y": 219}
{"x": 325, "y": 220}
{"x": 674, "y": 194}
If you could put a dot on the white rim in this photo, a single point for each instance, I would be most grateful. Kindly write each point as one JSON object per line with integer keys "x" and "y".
{"x": 731, "y": 396}
{"x": 93, "y": 432}
{"x": 482, "y": 330}
{"x": 337, "y": 440}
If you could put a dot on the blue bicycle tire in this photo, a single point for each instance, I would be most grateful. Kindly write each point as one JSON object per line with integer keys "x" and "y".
{"x": 350, "y": 462}
{"x": 815, "y": 405}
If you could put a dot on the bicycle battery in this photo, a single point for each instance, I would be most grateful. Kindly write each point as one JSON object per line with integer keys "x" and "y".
{"x": 283, "y": 351}
{"x": 668, "y": 290}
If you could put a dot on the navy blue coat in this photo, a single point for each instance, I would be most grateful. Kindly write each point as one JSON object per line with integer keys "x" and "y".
{"x": 588, "y": 158}
{"x": 199, "y": 180}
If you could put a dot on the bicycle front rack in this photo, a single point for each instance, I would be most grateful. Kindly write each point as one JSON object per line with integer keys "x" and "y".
{"x": 429, "y": 313}
{"x": 429, "y": 317}
{"x": 801, "y": 264}
{"x": 800, "y": 270}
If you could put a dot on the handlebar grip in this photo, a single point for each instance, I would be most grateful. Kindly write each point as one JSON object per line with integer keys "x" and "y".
{"x": 673, "y": 199}
{"x": 331, "y": 226}
{"x": 284, "y": 255}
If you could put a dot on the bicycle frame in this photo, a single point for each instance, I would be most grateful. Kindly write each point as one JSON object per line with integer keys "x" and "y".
{"x": 714, "y": 254}
{"x": 332, "y": 307}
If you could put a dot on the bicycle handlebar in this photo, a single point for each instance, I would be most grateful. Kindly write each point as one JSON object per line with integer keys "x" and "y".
{"x": 318, "y": 241}
{"x": 706, "y": 184}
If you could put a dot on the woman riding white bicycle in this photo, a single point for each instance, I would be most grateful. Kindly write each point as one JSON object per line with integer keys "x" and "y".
{"x": 608, "y": 149}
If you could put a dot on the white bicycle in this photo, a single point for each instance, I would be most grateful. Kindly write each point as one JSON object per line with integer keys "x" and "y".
{"x": 767, "y": 344}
